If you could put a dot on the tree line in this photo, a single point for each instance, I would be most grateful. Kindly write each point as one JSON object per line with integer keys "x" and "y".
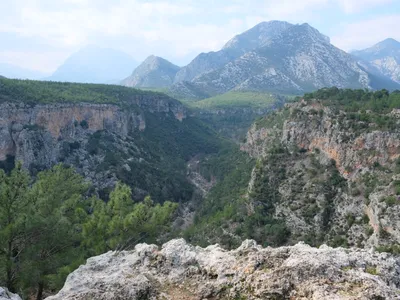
{"x": 51, "y": 223}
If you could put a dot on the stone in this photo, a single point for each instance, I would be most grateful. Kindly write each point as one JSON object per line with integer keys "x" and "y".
{"x": 5, "y": 294}
{"x": 182, "y": 271}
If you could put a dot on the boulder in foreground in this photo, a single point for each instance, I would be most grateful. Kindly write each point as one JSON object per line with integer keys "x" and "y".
{"x": 181, "y": 271}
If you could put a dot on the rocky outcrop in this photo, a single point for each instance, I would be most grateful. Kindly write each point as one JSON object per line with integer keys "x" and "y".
{"x": 154, "y": 72}
{"x": 382, "y": 58}
{"x": 7, "y": 295}
{"x": 33, "y": 134}
{"x": 181, "y": 271}
{"x": 314, "y": 126}
{"x": 341, "y": 175}
{"x": 282, "y": 58}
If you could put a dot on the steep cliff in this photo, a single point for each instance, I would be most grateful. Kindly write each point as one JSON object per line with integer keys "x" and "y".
{"x": 334, "y": 173}
{"x": 107, "y": 133}
{"x": 181, "y": 271}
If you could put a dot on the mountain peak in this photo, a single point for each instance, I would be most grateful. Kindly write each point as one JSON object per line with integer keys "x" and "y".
{"x": 95, "y": 64}
{"x": 153, "y": 72}
{"x": 388, "y": 43}
{"x": 257, "y": 36}
{"x": 307, "y": 28}
{"x": 383, "y": 58}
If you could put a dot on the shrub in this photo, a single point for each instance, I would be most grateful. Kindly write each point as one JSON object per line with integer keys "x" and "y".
{"x": 390, "y": 200}
{"x": 84, "y": 124}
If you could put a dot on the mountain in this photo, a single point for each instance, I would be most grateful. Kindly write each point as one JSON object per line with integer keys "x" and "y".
{"x": 93, "y": 64}
{"x": 296, "y": 60}
{"x": 12, "y": 71}
{"x": 383, "y": 57}
{"x": 154, "y": 72}
{"x": 240, "y": 44}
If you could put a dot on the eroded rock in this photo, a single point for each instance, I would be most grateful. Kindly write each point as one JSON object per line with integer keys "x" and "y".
{"x": 181, "y": 271}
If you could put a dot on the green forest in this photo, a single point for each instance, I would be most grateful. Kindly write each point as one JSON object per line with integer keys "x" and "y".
{"x": 46, "y": 92}
{"x": 51, "y": 223}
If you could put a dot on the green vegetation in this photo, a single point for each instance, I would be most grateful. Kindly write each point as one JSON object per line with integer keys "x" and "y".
{"x": 233, "y": 113}
{"x": 156, "y": 158}
{"x": 236, "y": 99}
{"x": 33, "y": 92}
{"x": 50, "y": 224}
{"x": 371, "y": 270}
{"x": 357, "y": 100}
{"x": 232, "y": 169}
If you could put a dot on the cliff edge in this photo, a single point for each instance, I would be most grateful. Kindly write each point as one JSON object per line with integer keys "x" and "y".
{"x": 182, "y": 271}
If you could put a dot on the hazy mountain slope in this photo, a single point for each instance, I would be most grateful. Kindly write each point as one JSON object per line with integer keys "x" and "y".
{"x": 251, "y": 39}
{"x": 299, "y": 59}
{"x": 95, "y": 65}
{"x": 383, "y": 57}
{"x": 12, "y": 71}
{"x": 154, "y": 72}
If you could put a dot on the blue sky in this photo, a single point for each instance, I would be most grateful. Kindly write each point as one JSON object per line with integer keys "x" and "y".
{"x": 41, "y": 34}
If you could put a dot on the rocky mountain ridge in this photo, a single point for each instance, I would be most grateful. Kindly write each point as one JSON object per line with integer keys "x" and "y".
{"x": 276, "y": 57}
{"x": 382, "y": 58}
{"x": 181, "y": 271}
{"x": 154, "y": 72}
{"x": 340, "y": 175}
{"x": 239, "y": 45}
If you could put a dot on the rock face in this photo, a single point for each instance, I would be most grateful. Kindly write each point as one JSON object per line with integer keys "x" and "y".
{"x": 181, "y": 271}
{"x": 34, "y": 134}
{"x": 154, "y": 72}
{"x": 239, "y": 45}
{"x": 7, "y": 295}
{"x": 340, "y": 175}
{"x": 299, "y": 59}
{"x": 277, "y": 57}
{"x": 383, "y": 58}
{"x": 108, "y": 142}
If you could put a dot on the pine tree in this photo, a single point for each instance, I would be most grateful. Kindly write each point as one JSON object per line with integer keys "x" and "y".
{"x": 14, "y": 205}
{"x": 121, "y": 223}
{"x": 54, "y": 227}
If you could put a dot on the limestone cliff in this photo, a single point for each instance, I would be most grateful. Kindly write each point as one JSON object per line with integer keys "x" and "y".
{"x": 33, "y": 134}
{"x": 340, "y": 181}
{"x": 181, "y": 271}
{"x": 143, "y": 140}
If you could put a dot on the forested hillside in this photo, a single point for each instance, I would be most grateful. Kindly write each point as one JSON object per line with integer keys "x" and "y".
{"x": 326, "y": 170}
{"x": 140, "y": 167}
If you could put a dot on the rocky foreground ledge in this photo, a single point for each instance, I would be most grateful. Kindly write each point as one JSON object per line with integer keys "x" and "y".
{"x": 7, "y": 295}
{"x": 181, "y": 271}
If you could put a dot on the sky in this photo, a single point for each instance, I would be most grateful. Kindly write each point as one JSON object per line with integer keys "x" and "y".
{"x": 41, "y": 34}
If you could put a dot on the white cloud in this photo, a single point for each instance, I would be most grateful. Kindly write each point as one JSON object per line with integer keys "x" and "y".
{"x": 366, "y": 33}
{"x": 176, "y": 29}
{"x": 354, "y": 6}
{"x": 43, "y": 62}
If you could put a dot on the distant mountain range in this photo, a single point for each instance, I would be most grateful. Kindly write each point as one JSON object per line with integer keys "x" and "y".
{"x": 153, "y": 72}
{"x": 12, "y": 71}
{"x": 277, "y": 57}
{"x": 382, "y": 58}
{"x": 93, "y": 64}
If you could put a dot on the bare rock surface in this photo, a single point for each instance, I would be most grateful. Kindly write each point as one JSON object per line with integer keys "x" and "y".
{"x": 181, "y": 271}
{"x": 7, "y": 295}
